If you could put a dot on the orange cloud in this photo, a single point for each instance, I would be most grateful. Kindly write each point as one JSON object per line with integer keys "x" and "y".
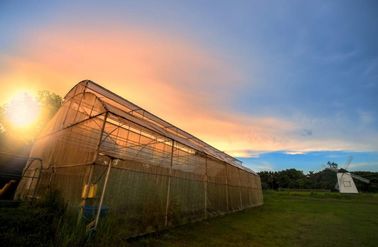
{"x": 181, "y": 81}
{"x": 139, "y": 65}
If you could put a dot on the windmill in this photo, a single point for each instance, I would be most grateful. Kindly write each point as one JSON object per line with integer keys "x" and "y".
{"x": 345, "y": 183}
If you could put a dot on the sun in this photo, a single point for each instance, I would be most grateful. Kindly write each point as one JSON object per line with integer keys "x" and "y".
{"x": 23, "y": 110}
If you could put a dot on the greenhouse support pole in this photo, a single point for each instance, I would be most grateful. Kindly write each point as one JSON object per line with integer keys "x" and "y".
{"x": 205, "y": 187}
{"x": 78, "y": 107}
{"x": 38, "y": 179}
{"x": 250, "y": 188}
{"x": 103, "y": 193}
{"x": 240, "y": 190}
{"x": 91, "y": 166}
{"x": 69, "y": 107}
{"x": 101, "y": 136}
{"x": 228, "y": 208}
{"x": 169, "y": 186}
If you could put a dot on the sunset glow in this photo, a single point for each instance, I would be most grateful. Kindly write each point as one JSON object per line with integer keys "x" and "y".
{"x": 255, "y": 83}
{"x": 23, "y": 110}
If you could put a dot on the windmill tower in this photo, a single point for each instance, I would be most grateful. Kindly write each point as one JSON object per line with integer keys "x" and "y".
{"x": 345, "y": 183}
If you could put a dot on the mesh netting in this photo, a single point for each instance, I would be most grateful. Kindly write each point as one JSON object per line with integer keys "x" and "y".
{"x": 100, "y": 150}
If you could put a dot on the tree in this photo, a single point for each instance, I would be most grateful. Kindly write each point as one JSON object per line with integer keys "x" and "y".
{"x": 332, "y": 165}
{"x": 50, "y": 103}
{"x": 15, "y": 142}
{"x": 11, "y": 135}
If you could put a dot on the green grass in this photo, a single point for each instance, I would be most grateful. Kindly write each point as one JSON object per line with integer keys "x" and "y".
{"x": 286, "y": 219}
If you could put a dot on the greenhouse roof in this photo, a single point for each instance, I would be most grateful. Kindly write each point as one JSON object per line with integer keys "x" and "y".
{"x": 121, "y": 107}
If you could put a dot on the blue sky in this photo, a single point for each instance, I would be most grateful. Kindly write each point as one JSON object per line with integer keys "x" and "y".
{"x": 261, "y": 80}
{"x": 313, "y": 161}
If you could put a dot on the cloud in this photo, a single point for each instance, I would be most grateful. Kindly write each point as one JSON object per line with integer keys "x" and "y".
{"x": 181, "y": 81}
{"x": 140, "y": 64}
{"x": 184, "y": 82}
{"x": 295, "y": 152}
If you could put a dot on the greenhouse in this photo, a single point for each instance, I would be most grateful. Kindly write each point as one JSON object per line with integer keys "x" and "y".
{"x": 107, "y": 156}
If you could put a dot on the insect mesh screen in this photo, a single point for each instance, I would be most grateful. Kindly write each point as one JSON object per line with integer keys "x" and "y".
{"x": 158, "y": 175}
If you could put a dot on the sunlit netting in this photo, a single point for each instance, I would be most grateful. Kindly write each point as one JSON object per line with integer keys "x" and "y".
{"x": 102, "y": 151}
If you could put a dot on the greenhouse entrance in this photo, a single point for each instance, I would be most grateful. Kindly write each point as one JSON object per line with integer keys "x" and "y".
{"x": 108, "y": 156}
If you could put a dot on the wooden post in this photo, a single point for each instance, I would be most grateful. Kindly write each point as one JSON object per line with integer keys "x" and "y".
{"x": 169, "y": 186}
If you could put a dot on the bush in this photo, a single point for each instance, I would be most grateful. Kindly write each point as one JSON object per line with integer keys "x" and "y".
{"x": 32, "y": 223}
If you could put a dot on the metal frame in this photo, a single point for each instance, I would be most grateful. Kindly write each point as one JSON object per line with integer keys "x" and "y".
{"x": 191, "y": 140}
{"x": 188, "y": 148}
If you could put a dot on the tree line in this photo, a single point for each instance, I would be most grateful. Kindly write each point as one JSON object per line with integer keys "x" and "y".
{"x": 322, "y": 180}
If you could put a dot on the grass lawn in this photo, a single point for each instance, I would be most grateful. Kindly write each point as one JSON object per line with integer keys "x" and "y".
{"x": 286, "y": 219}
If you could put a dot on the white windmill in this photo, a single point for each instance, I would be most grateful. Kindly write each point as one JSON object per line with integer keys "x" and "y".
{"x": 345, "y": 183}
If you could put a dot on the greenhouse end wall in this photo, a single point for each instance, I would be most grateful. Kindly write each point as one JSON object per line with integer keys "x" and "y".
{"x": 102, "y": 151}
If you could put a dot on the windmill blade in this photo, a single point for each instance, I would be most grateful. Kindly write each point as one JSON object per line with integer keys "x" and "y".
{"x": 364, "y": 180}
{"x": 347, "y": 164}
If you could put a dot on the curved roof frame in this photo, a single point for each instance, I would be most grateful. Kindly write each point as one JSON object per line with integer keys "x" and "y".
{"x": 128, "y": 110}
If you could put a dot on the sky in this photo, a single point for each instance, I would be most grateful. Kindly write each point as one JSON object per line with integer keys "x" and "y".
{"x": 278, "y": 84}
